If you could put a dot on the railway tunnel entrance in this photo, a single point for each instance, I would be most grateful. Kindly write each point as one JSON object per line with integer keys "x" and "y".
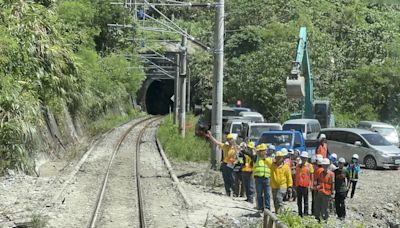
{"x": 158, "y": 97}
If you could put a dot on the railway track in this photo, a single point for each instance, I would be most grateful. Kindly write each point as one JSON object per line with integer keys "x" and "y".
{"x": 111, "y": 205}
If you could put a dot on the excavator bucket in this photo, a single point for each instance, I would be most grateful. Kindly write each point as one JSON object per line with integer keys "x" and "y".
{"x": 295, "y": 87}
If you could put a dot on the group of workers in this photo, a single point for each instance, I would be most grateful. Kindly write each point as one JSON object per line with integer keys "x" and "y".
{"x": 288, "y": 174}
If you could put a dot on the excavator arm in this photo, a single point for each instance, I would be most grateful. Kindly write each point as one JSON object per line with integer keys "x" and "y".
{"x": 299, "y": 83}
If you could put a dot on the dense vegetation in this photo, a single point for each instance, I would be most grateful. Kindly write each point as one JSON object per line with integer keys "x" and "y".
{"x": 63, "y": 54}
{"x": 190, "y": 148}
{"x": 354, "y": 46}
{"x": 59, "y": 54}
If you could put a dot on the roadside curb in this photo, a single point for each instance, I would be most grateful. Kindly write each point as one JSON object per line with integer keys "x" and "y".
{"x": 172, "y": 173}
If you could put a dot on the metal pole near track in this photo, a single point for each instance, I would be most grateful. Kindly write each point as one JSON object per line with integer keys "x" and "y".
{"x": 216, "y": 120}
{"x": 182, "y": 108}
{"x": 176, "y": 90}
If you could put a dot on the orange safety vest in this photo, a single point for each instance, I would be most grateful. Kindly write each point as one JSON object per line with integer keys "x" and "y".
{"x": 317, "y": 171}
{"x": 303, "y": 175}
{"x": 325, "y": 182}
{"x": 323, "y": 150}
{"x": 248, "y": 164}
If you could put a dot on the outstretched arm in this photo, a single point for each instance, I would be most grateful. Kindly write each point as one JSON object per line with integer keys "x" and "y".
{"x": 211, "y": 137}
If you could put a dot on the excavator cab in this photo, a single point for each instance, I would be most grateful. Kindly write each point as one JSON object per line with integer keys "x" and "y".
{"x": 323, "y": 113}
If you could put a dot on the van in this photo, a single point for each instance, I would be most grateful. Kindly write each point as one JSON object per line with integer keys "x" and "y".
{"x": 386, "y": 130}
{"x": 309, "y": 127}
{"x": 372, "y": 148}
{"x": 252, "y": 116}
{"x": 253, "y": 131}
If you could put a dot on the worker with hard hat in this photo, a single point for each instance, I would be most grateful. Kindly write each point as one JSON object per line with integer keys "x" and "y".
{"x": 322, "y": 147}
{"x": 262, "y": 175}
{"x": 340, "y": 188}
{"x": 281, "y": 180}
{"x": 292, "y": 161}
{"x": 303, "y": 182}
{"x": 317, "y": 170}
{"x": 271, "y": 150}
{"x": 229, "y": 152}
{"x": 353, "y": 169}
{"x": 325, "y": 188}
{"x": 333, "y": 159}
{"x": 247, "y": 172}
{"x": 238, "y": 185}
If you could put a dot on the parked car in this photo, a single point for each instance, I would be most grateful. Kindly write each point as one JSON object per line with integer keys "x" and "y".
{"x": 309, "y": 127}
{"x": 386, "y": 130}
{"x": 373, "y": 149}
{"x": 253, "y": 116}
{"x": 253, "y": 131}
{"x": 234, "y": 127}
{"x": 283, "y": 139}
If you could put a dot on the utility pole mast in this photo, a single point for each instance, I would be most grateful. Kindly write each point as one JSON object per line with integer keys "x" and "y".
{"x": 176, "y": 89}
{"x": 182, "y": 108}
{"x": 216, "y": 120}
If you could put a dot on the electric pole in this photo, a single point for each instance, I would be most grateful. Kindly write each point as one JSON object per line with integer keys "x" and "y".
{"x": 216, "y": 120}
{"x": 182, "y": 108}
{"x": 176, "y": 89}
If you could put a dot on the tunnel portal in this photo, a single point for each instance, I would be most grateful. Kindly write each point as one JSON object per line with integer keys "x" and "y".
{"x": 158, "y": 97}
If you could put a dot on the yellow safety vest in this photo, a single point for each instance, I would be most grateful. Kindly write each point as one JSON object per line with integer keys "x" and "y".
{"x": 261, "y": 169}
{"x": 248, "y": 166}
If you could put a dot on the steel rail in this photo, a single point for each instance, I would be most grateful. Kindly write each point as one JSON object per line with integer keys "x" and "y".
{"x": 100, "y": 196}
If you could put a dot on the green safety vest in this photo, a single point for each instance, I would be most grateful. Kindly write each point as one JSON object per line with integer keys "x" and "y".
{"x": 261, "y": 169}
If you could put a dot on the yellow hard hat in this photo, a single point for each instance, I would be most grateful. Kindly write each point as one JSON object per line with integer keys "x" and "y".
{"x": 261, "y": 147}
{"x": 229, "y": 136}
{"x": 279, "y": 154}
{"x": 251, "y": 145}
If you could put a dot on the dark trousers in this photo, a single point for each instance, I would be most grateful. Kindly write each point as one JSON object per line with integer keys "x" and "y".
{"x": 340, "y": 205}
{"x": 227, "y": 175}
{"x": 263, "y": 189}
{"x": 353, "y": 188}
{"x": 248, "y": 182}
{"x": 302, "y": 195}
{"x": 313, "y": 197}
{"x": 238, "y": 187}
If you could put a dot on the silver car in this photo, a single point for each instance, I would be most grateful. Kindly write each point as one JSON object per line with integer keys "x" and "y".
{"x": 373, "y": 149}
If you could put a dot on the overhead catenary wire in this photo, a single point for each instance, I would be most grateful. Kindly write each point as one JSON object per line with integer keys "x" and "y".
{"x": 182, "y": 31}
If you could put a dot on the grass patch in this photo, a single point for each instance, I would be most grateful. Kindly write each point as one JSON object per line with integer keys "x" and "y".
{"x": 190, "y": 148}
{"x": 112, "y": 120}
{"x": 37, "y": 221}
{"x": 291, "y": 220}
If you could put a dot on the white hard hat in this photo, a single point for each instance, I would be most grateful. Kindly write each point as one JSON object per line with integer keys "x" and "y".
{"x": 319, "y": 160}
{"x": 271, "y": 147}
{"x": 284, "y": 151}
{"x": 355, "y": 156}
{"x": 322, "y": 136}
{"x": 325, "y": 161}
{"x": 319, "y": 156}
{"x": 342, "y": 160}
{"x": 313, "y": 159}
{"x": 304, "y": 154}
{"x": 334, "y": 155}
{"x": 291, "y": 151}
